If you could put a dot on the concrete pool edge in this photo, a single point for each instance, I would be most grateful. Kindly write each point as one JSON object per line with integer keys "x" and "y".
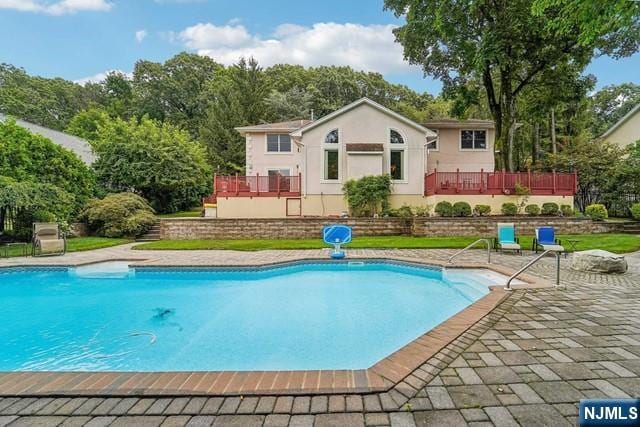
{"x": 382, "y": 376}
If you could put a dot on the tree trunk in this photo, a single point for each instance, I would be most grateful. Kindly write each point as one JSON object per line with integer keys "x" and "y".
{"x": 536, "y": 143}
{"x": 554, "y": 142}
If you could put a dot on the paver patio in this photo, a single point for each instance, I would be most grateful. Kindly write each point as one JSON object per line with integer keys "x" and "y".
{"x": 526, "y": 363}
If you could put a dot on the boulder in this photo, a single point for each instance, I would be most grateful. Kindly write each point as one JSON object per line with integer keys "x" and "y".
{"x": 598, "y": 261}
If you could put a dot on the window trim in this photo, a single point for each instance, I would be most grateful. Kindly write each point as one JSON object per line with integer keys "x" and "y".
{"x": 389, "y": 147}
{"x": 325, "y": 146}
{"x": 266, "y": 144}
{"x": 486, "y": 138}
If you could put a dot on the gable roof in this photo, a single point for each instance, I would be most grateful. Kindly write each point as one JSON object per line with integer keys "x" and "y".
{"x": 363, "y": 101}
{"x": 71, "y": 142}
{"x": 288, "y": 126}
{"x": 620, "y": 122}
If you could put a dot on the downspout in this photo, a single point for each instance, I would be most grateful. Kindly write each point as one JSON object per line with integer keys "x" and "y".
{"x": 304, "y": 167}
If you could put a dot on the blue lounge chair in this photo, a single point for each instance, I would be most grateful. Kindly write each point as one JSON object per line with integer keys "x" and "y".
{"x": 337, "y": 235}
{"x": 507, "y": 239}
{"x": 546, "y": 240}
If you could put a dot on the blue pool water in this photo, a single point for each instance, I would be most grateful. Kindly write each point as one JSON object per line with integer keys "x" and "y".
{"x": 300, "y": 316}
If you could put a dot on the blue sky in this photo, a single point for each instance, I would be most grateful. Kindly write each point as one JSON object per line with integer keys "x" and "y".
{"x": 82, "y": 39}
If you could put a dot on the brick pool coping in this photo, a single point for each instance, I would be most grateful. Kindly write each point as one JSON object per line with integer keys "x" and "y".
{"x": 380, "y": 377}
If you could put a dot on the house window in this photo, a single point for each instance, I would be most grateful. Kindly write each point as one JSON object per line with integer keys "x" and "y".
{"x": 432, "y": 144}
{"x": 473, "y": 140}
{"x": 395, "y": 137}
{"x": 278, "y": 143}
{"x": 332, "y": 137}
{"x": 396, "y": 168}
{"x": 331, "y": 168}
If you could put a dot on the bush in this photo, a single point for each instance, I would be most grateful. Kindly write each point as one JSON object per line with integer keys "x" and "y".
{"x": 118, "y": 215}
{"x": 509, "y": 209}
{"x": 596, "y": 212}
{"x": 533, "y": 210}
{"x": 567, "y": 210}
{"x": 423, "y": 211}
{"x": 444, "y": 209}
{"x": 368, "y": 195}
{"x": 461, "y": 209}
{"x": 482, "y": 210}
{"x": 635, "y": 211}
{"x": 550, "y": 209}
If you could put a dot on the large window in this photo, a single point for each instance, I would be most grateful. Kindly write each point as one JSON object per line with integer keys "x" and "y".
{"x": 278, "y": 143}
{"x": 331, "y": 165}
{"x": 396, "y": 168}
{"x": 473, "y": 139}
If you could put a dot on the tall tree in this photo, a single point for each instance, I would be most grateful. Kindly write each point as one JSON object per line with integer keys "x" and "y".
{"x": 610, "y": 104}
{"x": 502, "y": 44}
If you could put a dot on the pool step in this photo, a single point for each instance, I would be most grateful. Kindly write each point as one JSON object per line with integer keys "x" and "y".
{"x": 152, "y": 235}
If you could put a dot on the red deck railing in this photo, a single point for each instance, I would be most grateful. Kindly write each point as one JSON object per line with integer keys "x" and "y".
{"x": 539, "y": 183}
{"x": 256, "y": 186}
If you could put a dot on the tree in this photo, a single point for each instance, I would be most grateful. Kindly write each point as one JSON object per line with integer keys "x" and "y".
{"x": 610, "y": 104}
{"x": 155, "y": 160}
{"x": 27, "y": 157}
{"x": 293, "y": 104}
{"x": 503, "y": 45}
{"x": 85, "y": 124}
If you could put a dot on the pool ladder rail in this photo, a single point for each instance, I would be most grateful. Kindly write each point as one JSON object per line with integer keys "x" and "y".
{"x": 487, "y": 241}
{"x": 533, "y": 261}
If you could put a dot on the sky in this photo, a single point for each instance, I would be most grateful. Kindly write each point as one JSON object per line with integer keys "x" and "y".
{"x": 82, "y": 40}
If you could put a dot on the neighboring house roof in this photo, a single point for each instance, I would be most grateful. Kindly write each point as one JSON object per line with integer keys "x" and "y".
{"x": 458, "y": 124}
{"x": 78, "y": 145}
{"x": 288, "y": 126}
{"x": 357, "y": 103}
{"x": 620, "y": 122}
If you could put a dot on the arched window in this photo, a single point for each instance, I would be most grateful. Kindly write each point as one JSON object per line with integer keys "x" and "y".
{"x": 395, "y": 137}
{"x": 332, "y": 137}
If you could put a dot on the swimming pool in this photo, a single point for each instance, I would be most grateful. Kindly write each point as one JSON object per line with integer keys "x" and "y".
{"x": 301, "y": 316}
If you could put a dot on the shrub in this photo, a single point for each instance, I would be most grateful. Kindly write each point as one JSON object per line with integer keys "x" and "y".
{"x": 423, "y": 211}
{"x": 550, "y": 209}
{"x": 635, "y": 211}
{"x": 461, "y": 209}
{"x": 567, "y": 210}
{"x": 368, "y": 195}
{"x": 509, "y": 209}
{"x": 596, "y": 212}
{"x": 482, "y": 210}
{"x": 405, "y": 212}
{"x": 533, "y": 210}
{"x": 444, "y": 209}
{"x": 120, "y": 214}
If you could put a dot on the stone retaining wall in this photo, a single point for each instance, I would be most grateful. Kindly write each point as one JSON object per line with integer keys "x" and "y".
{"x": 299, "y": 228}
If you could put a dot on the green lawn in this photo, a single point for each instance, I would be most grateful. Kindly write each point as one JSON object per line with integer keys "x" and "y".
{"x": 618, "y": 243}
{"x": 191, "y": 213}
{"x": 77, "y": 244}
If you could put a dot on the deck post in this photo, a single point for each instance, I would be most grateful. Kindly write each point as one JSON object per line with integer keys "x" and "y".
{"x": 529, "y": 178}
{"x": 457, "y": 180}
{"x": 554, "y": 182}
{"x": 437, "y": 181}
{"x": 503, "y": 173}
{"x": 278, "y": 178}
{"x": 300, "y": 182}
{"x": 481, "y": 180}
{"x": 237, "y": 185}
{"x": 258, "y": 183}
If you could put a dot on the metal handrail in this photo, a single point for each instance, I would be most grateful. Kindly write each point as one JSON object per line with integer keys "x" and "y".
{"x": 530, "y": 263}
{"x": 487, "y": 241}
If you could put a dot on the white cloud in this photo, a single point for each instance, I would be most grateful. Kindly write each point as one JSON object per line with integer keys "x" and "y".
{"x": 141, "y": 35}
{"x": 100, "y": 77}
{"x": 363, "y": 47}
{"x": 60, "y": 7}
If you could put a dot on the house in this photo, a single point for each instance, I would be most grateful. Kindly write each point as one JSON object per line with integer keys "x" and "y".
{"x": 298, "y": 168}
{"x": 78, "y": 145}
{"x": 626, "y": 131}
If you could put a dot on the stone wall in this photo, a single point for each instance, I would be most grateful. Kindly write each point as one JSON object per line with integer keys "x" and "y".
{"x": 299, "y": 228}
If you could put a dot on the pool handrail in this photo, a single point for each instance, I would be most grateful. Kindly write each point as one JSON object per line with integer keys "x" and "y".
{"x": 487, "y": 241}
{"x": 533, "y": 261}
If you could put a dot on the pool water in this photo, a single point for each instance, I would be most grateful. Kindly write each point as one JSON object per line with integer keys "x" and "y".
{"x": 299, "y": 316}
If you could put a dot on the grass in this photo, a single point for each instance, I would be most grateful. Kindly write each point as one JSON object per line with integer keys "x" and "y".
{"x": 77, "y": 244}
{"x": 191, "y": 213}
{"x": 617, "y": 243}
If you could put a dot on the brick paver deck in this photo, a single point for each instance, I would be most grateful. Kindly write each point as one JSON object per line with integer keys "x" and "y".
{"x": 526, "y": 363}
